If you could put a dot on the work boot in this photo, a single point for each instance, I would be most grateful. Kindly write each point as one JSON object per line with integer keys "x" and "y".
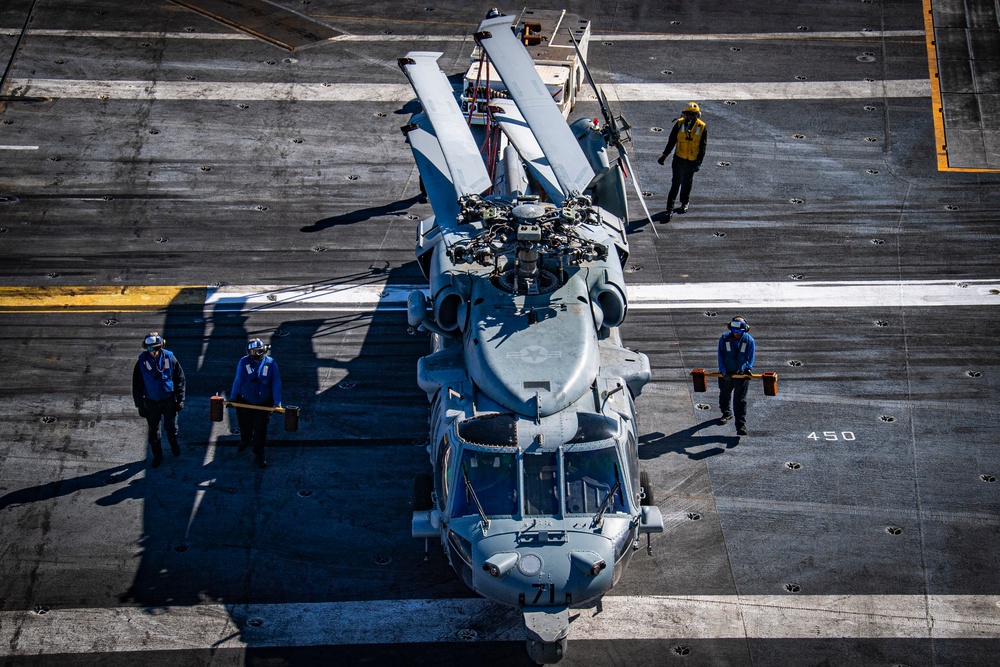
{"x": 157, "y": 460}
{"x": 261, "y": 463}
{"x": 243, "y": 445}
{"x": 741, "y": 430}
{"x": 683, "y": 208}
{"x": 175, "y": 449}
{"x": 724, "y": 419}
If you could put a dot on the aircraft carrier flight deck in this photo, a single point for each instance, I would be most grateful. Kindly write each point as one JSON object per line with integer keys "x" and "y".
{"x": 221, "y": 171}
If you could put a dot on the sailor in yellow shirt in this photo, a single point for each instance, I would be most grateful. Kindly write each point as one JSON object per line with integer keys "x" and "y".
{"x": 690, "y": 137}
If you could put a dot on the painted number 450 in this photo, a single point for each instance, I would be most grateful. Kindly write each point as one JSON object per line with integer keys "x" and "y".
{"x": 832, "y": 436}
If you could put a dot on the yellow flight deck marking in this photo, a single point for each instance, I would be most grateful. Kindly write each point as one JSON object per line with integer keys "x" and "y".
{"x": 940, "y": 140}
{"x": 93, "y": 298}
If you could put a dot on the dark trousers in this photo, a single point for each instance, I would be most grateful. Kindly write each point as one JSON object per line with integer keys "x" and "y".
{"x": 683, "y": 177}
{"x": 157, "y": 411}
{"x": 253, "y": 428}
{"x": 733, "y": 391}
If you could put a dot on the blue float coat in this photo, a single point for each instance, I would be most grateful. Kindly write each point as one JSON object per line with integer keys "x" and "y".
{"x": 736, "y": 354}
{"x": 258, "y": 382}
{"x": 157, "y": 378}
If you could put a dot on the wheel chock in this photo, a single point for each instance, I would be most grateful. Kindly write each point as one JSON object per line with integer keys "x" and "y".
{"x": 698, "y": 377}
{"x": 291, "y": 418}
{"x": 216, "y": 408}
{"x": 770, "y": 384}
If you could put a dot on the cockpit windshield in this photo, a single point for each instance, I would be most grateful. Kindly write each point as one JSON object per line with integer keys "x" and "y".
{"x": 541, "y": 483}
{"x": 493, "y": 476}
{"x": 590, "y": 476}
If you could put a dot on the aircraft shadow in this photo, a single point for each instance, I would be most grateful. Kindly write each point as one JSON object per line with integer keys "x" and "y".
{"x": 654, "y": 445}
{"x": 361, "y": 215}
{"x": 329, "y": 519}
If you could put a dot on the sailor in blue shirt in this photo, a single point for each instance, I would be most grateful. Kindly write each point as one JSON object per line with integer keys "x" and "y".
{"x": 257, "y": 382}
{"x": 158, "y": 389}
{"x": 736, "y": 355}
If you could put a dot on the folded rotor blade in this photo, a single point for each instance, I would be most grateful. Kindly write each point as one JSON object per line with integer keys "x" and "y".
{"x": 520, "y": 135}
{"x": 433, "y": 168}
{"x": 556, "y": 140}
{"x": 459, "y": 148}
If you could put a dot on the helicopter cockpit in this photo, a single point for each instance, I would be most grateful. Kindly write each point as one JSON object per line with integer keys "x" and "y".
{"x": 579, "y": 477}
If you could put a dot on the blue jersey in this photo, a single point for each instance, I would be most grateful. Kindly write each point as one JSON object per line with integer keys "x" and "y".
{"x": 258, "y": 382}
{"x": 736, "y": 354}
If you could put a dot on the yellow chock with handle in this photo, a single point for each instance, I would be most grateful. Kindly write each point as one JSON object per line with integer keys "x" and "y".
{"x": 217, "y": 406}
{"x": 698, "y": 376}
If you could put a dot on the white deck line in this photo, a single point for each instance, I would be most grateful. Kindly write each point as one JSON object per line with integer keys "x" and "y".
{"x": 213, "y": 626}
{"x": 742, "y": 296}
{"x": 866, "y": 35}
{"x": 401, "y": 92}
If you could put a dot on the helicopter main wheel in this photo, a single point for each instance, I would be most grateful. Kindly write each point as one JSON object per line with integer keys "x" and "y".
{"x": 647, "y": 489}
{"x": 544, "y": 653}
{"x": 423, "y": 486}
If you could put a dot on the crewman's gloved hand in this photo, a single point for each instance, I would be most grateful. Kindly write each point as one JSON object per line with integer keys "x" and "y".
{"x": 662, "y": 159}
{"x": 180, "y": 405}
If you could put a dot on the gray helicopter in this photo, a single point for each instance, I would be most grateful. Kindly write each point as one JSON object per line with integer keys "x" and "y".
{"x": 536, "y": 492}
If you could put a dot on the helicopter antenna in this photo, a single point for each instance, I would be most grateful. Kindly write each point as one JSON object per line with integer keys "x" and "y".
{"x": 613, "y": 132}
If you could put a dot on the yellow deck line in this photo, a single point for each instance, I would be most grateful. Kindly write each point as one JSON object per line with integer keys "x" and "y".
{"x": 99, "y": 298}
{"x": 938, "y": 113}
{"x": 940, "y": 140}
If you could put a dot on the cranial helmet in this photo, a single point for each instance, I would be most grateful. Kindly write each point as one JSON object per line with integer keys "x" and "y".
{"x": 692, "y": 106}
{"x": 256, "y": 348}
{"x": 739, "y": 323}
{"x": 152, "y": 341}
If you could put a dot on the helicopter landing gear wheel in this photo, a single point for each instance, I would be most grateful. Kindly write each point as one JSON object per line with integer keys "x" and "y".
{"x": 546, "y": 653}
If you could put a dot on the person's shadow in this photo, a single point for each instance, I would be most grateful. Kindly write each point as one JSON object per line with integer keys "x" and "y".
{"x": 65, "y": 487}
{"x": 636, "y": 226}
{"x": 654, "y": 445}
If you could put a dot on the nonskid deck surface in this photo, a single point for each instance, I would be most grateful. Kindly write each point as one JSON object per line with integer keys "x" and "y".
{"x": 163, "y": 171}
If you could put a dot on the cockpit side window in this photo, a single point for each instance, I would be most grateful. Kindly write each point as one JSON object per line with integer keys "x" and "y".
{"x": 493, "y": 476}
{"x": 443, "y": 483}
{"x": 541, "y": 483}
{"x": 590, "y": 476}
{"x": 633, "y": 465}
